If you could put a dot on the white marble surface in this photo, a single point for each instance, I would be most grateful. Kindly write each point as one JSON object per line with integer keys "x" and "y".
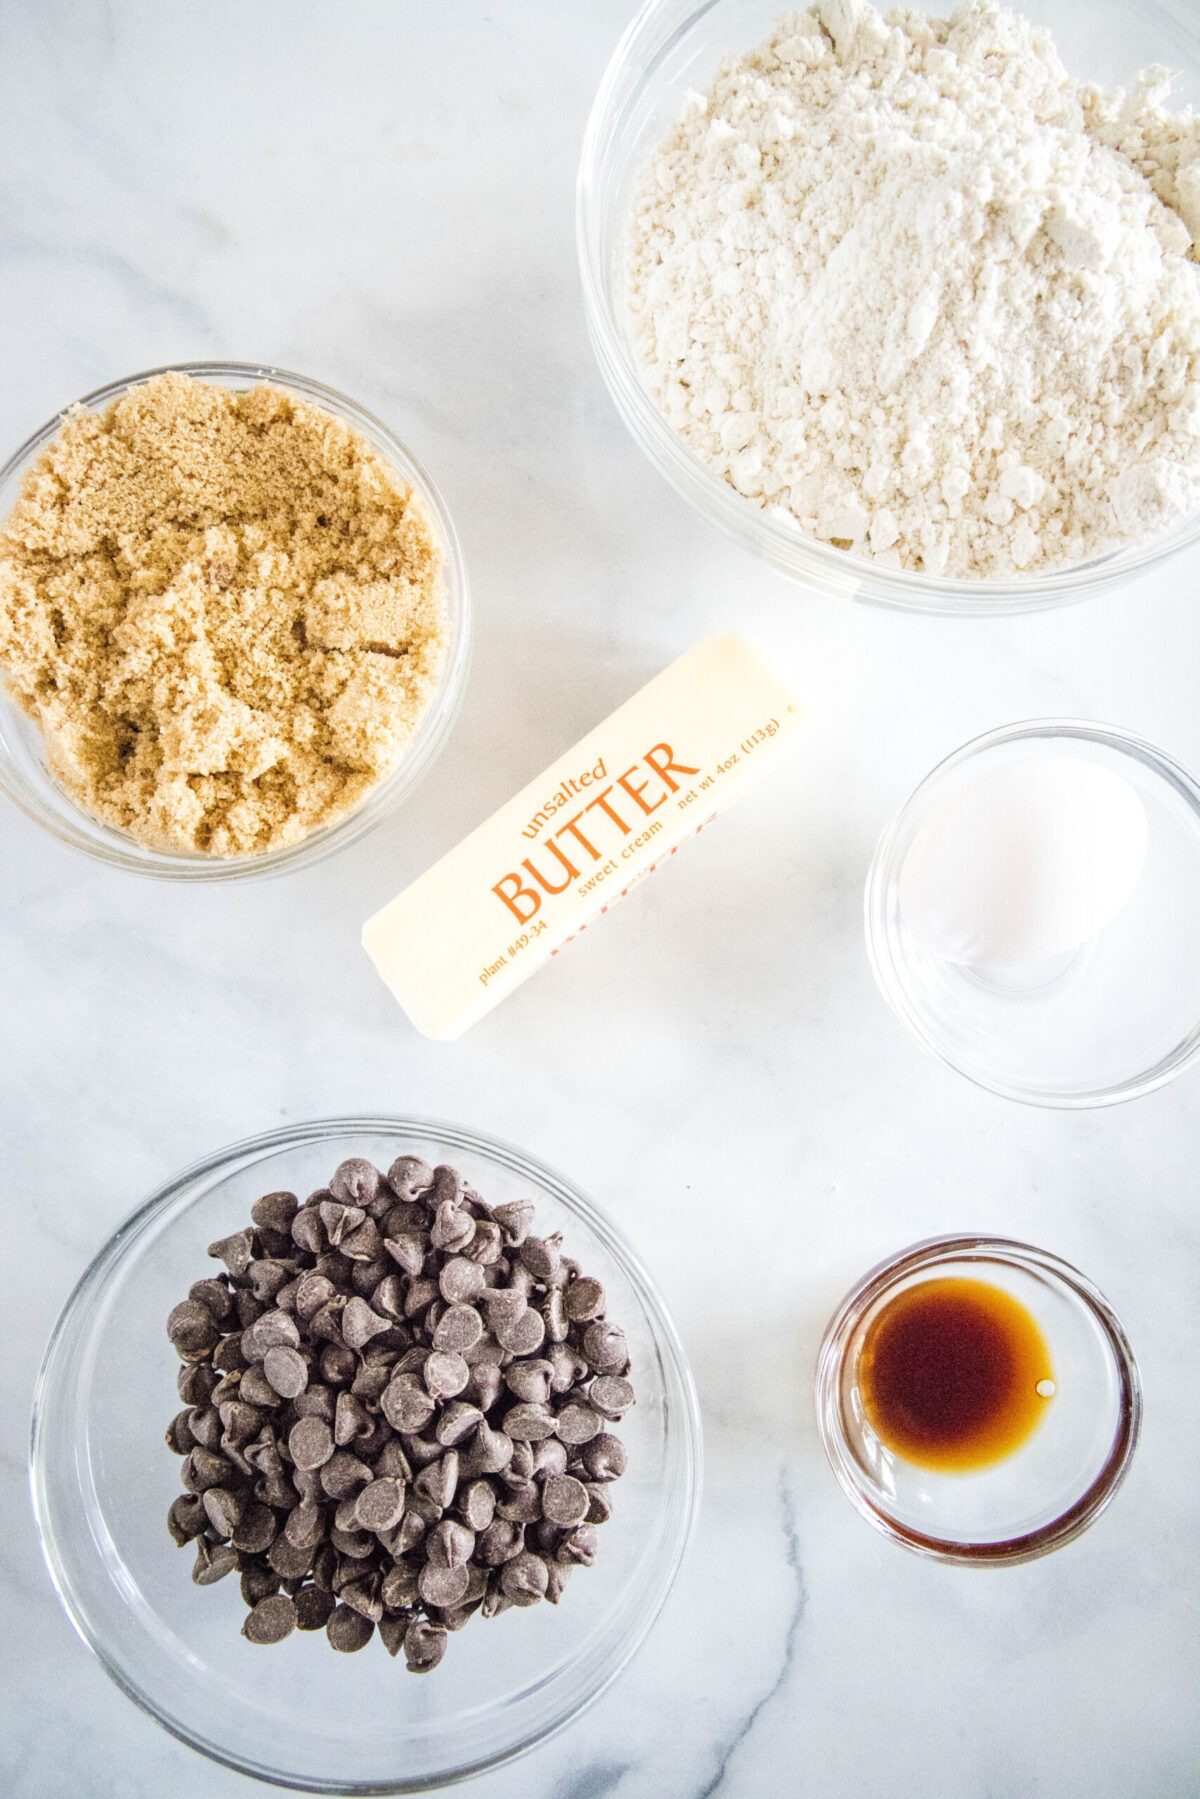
{"x": 380, "y": 194}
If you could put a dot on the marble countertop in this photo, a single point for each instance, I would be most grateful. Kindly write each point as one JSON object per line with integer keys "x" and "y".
{"x": 381, "y": 195}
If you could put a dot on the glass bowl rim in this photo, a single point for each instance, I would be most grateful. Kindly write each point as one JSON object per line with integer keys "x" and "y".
{"x": 929, "y": 1252}
{"x": 121, "y": 1241}
{"x": 630, "y": 70}
{"x": 886, "y": 966}
{"x": 433, "y": 728}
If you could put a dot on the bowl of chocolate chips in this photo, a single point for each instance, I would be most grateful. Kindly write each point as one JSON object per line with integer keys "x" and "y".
{"x": 365, "y": 1455}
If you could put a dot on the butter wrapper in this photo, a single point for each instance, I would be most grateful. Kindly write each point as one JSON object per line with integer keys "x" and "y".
{"x": 575, "y": 840}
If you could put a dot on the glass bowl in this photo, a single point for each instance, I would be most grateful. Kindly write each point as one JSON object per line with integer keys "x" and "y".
{"x": 673, "y": 45}
{"x": 23, "y": 774}
{"x": 1049, "y": 1490}
{"x": 299, "y": 1715}
{"x": 1115, "y": 1019}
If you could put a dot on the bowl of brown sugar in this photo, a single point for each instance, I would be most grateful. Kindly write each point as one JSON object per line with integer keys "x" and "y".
{"x": 234, "y": 622}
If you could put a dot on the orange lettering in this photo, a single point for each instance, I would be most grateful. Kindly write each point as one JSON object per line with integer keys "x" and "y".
{"x": 572, "y": 825}
{"x": 601, "y": 800}
{"x": 572, "y": 873}
{"x": 668, "y": 767}
{"x": 519, "y": 893}
{"x": 635, "y": 793}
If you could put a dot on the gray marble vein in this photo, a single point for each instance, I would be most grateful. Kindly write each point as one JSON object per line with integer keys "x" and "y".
{"x": 725, "y": 1775}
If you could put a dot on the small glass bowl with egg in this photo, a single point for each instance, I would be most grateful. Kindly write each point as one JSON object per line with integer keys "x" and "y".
{"x": 1031, "y": 914}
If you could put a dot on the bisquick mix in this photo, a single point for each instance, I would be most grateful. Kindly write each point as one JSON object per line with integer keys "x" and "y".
{"x": 911, "y": 288}
{"x": 223, "y": 609}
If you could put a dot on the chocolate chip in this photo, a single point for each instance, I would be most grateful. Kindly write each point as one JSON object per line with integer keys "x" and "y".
{"x": 524, "y": 1579}
{"x": 275, "y": 1211}
{"x": 193, "y": 1330}
{"x": 178, "y": 1435}
{"x": 569, "y": 1367}
{"x": 564, "y": 1500}
{"x": 611, "y": 1395}
{"x": 460, "y": 1327}
{"x": 343, "y": 1474}
{"x": 268, "y": 1280}
{"x": 258, "y": 1581}
{"x": 461, "y": 1281}
{"x": 578, "y": 1423}
{"x": 289, "y": 1560}
{"x": 450, "y": 1544}
{"x": 457, "y": 1422}
{"x": 380, "y": 1504}
{"x": 312, "y": 1292}
{"x": 554, "y": 1316}
{"x": 556, "y": 1579}
{"x": 514, "y": 1218}
{"x": 499, "y": 1543}
{"x": 440, "y": 1586}
{"x": 215, "y": 1295}
{"x": 287, "y": 1371}
{"x": 486, "y": 1244}
{"x": 351, "y": 1420}
{"x": 584, "y": 1300}
{"x": 365, "y": 1247}
{"x": 477, "y": 1503}
{"x": 524, "y": 1336}
{"x": 360, "y": 1323}
{"x": 356, "y": 1182}
{"x": 195, "y": 1382}
{"x": 270, "y": 1620}
{"x": 187, "y": 1518}
{"x": 529, "y": 1423}
{"x": 530, "y": 1380}
{"x": 488, "y": 1452}
{"x": 549, "y": 1458}
{"x": 234, "y": 1251}
{"x": 605, "y": 1457}
{"x": 409, "y": 1177}
{"x": 579, "y": 1546}
{"x": 348, "y": 1630}
{"x": 271, "y": 1330}
{"x": 308, "y": 1233}
{"x": 257, "y": 1390}
{"x": 407, "y": 1251}
{"x": 438, "y": 1481}
{"x": 305, "y": 1527}
{"x": 424, "y": 1646}
{"x": 223, "y": 1509}
{"x": 452, "y": 1228}
{"x": 605, "y": 1348}
{"x": 599, "y": 1504}
{"x": 339, "y": 1220}
{"x": 313, "y": 1608}
{"x": 445, "y": 1374}
{"x": 542, "y": 1257}
{"x": 310, "y": 1443}
{"x": 202, "y": 1468}
{"x": 405, "y": 1403}
{"x": 338, "y": 1364}
{"x": 213, "y": 1562}
{"x": 504, "y": 1305}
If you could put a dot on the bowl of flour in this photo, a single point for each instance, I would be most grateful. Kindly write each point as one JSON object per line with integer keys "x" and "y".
{"x": 909, "y": 305}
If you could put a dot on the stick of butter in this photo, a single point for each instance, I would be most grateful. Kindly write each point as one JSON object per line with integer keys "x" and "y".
{"x": 574, "y": 841}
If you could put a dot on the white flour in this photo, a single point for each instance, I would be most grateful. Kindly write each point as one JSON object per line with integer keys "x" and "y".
{"x": 907, "y": 284}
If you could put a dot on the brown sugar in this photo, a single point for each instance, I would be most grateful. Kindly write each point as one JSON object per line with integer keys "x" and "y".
{"x": 224, "y": 610}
